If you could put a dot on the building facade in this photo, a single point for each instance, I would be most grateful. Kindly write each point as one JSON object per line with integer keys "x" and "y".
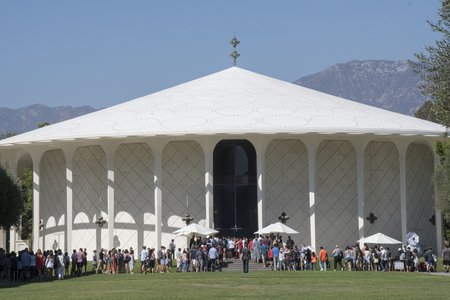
{"x": 234, "y": 149}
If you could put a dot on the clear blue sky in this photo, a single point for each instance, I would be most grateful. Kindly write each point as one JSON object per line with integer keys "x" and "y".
{"x": 102, "y": 53}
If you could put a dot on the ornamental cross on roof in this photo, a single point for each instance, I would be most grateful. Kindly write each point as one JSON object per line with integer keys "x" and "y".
{"x": 234, "y": 54}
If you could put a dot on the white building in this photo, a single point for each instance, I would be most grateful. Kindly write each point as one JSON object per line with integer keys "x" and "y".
{"x": 234, "y": 149}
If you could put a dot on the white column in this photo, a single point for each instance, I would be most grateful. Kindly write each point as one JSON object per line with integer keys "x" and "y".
{"x": 68, "y": 153}
{"x": 208, "y": 149}
{"x": 157, "y": 157}
{"x": 312, "y": 146}
{"x": 360, "y": 147}
{"x": 402, "y": 147}
{"x": 110, "y": 197}
{"x": 260, "y": 171}
{"x": 36, "y": 200}
{"x": 2, "y": 238}
{"x": 13, "y": 233}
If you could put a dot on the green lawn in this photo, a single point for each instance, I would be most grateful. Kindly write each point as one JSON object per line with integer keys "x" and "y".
{"x": 233, "y": 284}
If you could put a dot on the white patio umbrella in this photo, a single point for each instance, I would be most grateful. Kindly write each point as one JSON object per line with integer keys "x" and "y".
{"x": 379, "y": 238}
{"x": 195, "y": 228}
{"x": 276, "y": 228}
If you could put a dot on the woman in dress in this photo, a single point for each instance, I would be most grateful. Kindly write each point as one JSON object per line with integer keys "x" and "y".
{"x": 49, "y": 263}
{"x": 39, "y": 264}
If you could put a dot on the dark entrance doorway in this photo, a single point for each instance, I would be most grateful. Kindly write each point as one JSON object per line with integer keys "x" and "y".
{"x": 235, "y": 193}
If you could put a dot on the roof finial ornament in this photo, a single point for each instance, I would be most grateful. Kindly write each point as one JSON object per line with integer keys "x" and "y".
{"x": 234, "y": 54}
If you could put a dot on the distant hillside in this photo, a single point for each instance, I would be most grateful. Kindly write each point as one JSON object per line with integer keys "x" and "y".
{"x": 27, "y": 118}
{"x": 390, "y": 85}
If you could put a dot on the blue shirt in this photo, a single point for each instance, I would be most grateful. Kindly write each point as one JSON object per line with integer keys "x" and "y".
{"x": 275, "y": 252}
{"x": 264, "y": 249}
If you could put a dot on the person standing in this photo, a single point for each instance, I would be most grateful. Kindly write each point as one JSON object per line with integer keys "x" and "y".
{"x": 142, "y": 257}
{"x": 212, "y": 255}
{"x": 246, "y": 256}
{"x": 337, "y": 254}
{"x": 94, "y": 261}
{"x": 39, "y": 263}
{"x": 323, "y": 259}
{"x": 290, "y": 242}
{"x": 276, "y": 257}
{"x": 59, "y": 257}
{"x": 49, "y": 264}
{"x": 85, "y": 260}
{"x": 446, "y": 256}
{"x": 264, "y": 250}
{"x": 74, "y": 263}
{"x": 178, "y": 258}
{"x": 409, "y": 259}
{"x": 131, "y": 261}
{"x": 172, "y": 248}
{"x": 26, "y": 263}
{"x": 101, "y": 262}
{"x": 80, "y": 260}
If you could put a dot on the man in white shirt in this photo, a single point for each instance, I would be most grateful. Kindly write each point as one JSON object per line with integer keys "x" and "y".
{"x": 142, "y": 257}
{"x": 212, "y": 255}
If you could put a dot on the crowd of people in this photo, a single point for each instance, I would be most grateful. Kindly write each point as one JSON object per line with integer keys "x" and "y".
{"x": 211, "y": 254}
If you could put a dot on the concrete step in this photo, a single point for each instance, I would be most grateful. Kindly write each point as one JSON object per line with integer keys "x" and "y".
{"x": 236, "y": 265}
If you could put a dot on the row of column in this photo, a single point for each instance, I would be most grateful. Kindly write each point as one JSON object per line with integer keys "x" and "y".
{"x": 260, "y": 143}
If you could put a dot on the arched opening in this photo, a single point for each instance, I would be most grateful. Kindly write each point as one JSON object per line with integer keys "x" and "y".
{"x": 235, "y": 190}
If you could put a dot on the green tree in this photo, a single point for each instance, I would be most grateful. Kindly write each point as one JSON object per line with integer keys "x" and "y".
{"x": 26, "y": 232}
{"x": 426, "y": 112}
{"x": 43, "y": 124}
{"x": 7, "y": 135}
{"x": 433, "y": 66}
{"x": 11, "y": 200}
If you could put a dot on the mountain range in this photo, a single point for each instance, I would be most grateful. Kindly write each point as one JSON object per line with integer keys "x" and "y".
{"x": 390, "y": 85}
{"x": 28, "y": 118}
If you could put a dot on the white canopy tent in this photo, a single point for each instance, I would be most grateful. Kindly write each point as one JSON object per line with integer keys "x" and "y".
{"x": 276, "y": 228}
{"x": 379, "y": 238}
{"x": 195, "y": 228}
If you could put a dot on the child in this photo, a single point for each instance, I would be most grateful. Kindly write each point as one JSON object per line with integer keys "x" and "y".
{"x": 270, "y": 255}
{"x": 313, "y": 260}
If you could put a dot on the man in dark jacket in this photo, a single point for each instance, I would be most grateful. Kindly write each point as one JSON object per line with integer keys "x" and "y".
{"x": 246, "y": 256}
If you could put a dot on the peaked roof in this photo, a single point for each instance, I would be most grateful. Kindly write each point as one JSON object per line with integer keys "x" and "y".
{"x": 232, "y": 101}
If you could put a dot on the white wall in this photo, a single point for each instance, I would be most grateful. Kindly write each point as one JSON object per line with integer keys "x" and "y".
{"x": 183, "y": 183}
{"x": 134, "y": 196}
{"x": 53, "y": 198}
{"x": 89, "y": 197}
{"x": 382, "y": 189}
{"x": 336, "y": 201}
{"x": 286, "y": 186}
{"x": 419, "y": 193}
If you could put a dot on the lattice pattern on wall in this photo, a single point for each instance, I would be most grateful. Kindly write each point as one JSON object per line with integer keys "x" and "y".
{"x": 382, "y": 189}
{"x": 286, "y": 186}
{"x": 134, "y": 190}
{"x": 419, "y": 193}
{"x": 336, "y": 201}
{"x": 89, "y": 191}
{"x": 183, "y": 174}
{"x": 52, "y": 186}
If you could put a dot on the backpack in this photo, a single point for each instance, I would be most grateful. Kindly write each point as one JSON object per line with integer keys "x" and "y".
{"x": 127, "y": 258}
